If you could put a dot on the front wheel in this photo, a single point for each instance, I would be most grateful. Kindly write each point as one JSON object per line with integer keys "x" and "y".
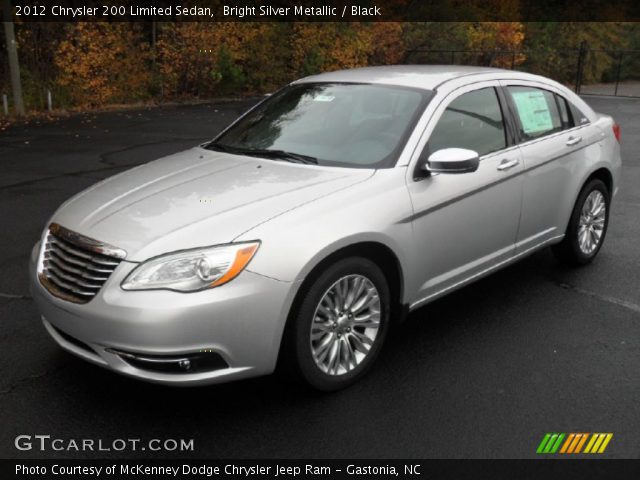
{"x": 587, "y": 226}
{"x": 340, "y": 326}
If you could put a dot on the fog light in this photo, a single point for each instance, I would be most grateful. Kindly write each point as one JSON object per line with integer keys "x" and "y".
{"x": 204, "y": 361}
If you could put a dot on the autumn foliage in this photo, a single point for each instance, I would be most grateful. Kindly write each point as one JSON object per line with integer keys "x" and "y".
{"x": 102, "y": 63}
{"x": 319, "y": 47}
{"x": 503, "y": 37}
{"x": 93, "y": 64}
{"x": 205, "y": 59}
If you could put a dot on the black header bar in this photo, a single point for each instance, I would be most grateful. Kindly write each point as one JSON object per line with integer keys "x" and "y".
{"x": 326, "y": 10}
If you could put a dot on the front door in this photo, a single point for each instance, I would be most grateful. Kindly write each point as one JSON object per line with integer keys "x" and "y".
{"x": 465, "y": 224}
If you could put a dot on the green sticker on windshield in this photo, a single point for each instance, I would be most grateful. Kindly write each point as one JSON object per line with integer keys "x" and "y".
{"x": 533, "y": 111}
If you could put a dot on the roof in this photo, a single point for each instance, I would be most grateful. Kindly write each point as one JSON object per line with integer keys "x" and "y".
{"x": 419, "y": 76}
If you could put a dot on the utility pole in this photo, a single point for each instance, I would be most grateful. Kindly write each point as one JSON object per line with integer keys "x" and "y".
{"x": 12, "y": 53}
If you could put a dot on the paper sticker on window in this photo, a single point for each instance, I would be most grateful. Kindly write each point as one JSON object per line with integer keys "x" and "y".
{"x": 533, "y": 111}
{"x": 323, "y": 98}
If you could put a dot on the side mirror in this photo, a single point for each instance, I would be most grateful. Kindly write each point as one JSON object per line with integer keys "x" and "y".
{"x": 452, "y": 160}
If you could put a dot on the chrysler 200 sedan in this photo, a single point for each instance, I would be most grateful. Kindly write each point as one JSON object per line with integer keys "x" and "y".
{"x": 319, "y": 218}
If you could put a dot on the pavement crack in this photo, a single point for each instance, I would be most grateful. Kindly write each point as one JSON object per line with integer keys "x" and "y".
{"x": 61, "y": 175}
{"x": 15, "y": 296}
{"x": 605, "y": 298}
{"x": 105, "y": 158}
{"x": 18, "y": 383}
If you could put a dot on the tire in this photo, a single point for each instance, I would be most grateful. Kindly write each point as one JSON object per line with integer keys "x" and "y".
{"x": 338, "y": 336}
{"x": 587, "y": 229}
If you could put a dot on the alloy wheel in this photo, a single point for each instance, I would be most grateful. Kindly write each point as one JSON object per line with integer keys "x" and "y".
{"x": 345, "y": 324}
{"x": 592, "y": 221}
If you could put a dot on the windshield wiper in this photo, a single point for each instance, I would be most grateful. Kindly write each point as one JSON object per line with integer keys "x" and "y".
{"x": 284, "y": 155}
{"x": 265, "y": 152}
{"x": 220, "y": 147}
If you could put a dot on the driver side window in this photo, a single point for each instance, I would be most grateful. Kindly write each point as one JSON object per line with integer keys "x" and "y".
{"x": 473, "y": 121}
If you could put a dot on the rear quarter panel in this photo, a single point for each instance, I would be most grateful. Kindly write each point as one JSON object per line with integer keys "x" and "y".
{"x": 602, "y": 153}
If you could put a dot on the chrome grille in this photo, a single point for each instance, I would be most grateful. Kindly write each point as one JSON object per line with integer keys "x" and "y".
{"x": 74, "y": 267}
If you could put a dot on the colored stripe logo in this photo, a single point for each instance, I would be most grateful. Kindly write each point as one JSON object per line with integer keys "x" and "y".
{"x": 574, "y": 443}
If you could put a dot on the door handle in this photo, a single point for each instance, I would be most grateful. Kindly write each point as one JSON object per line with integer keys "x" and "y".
{"x": 573, "y": 141}
{"x": 506, "y": 164}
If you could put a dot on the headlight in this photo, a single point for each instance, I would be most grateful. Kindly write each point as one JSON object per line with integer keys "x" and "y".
{"x": 192, "y": 270}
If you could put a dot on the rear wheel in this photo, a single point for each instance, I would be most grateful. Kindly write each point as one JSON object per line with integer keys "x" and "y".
{"x": 338, "y": 330}
{"x": 587, "y": 226}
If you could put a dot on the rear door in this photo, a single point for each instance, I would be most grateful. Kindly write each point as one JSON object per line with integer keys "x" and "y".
{"x": 552, "y": 137}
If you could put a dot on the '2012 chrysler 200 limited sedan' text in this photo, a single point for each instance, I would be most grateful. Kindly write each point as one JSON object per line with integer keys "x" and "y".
{"x": 321, "y": 216}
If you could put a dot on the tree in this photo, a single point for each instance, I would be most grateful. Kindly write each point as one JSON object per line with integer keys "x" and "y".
{"x": 501, "y": 40}
{"x": 323, "y": 46}
{"x": 554, "y": 48}
{"x": 207, "y": 58}
{"x": 100, "y": 63}
{"x": 12, "y": 53}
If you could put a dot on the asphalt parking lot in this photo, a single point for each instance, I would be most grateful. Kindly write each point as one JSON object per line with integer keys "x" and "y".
{"x": 482, "y": 373}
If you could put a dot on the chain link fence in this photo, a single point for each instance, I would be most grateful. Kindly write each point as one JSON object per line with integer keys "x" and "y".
{"x": 586, "y": 71}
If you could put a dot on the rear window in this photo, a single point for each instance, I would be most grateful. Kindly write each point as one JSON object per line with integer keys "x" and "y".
{"x": 537, "y": 111}
{"x": 579, "y": 118}
{"x": 565, "y": 115}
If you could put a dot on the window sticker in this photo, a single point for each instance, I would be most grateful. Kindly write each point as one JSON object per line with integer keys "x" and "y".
{"x": 533, "y": 111}
{"x": 323, "y": 98}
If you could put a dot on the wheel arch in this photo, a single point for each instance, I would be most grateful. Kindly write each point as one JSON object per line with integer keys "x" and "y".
{"x": 604, "y": 174}
{"x": 380, "y": 254}
{"x": 377, "y": 252}
{"x": 568, "y": 251}
{"x": 601, "y": 172}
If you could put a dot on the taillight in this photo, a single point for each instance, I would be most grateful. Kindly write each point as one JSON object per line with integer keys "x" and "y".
{"x": 616, "y": 131}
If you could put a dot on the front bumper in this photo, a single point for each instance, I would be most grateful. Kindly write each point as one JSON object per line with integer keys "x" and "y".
{"x": 241, "y": 323}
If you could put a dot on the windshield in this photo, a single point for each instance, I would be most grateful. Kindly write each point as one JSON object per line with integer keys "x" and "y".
{"x": 351, "y": 125}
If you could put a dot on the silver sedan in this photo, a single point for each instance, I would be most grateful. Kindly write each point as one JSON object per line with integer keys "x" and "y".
{"x": 318, "y": 219}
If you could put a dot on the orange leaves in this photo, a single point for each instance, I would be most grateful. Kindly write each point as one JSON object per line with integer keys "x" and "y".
{"x": 318, "y": 47}
{"x": 99, "y": 63}
{"x": 194, "y": 57}
{"x": 103, "y": 63}
{"x": 221, "y": 58}
{"x": 498, "y": 36}
{"x": 387, "y": 42}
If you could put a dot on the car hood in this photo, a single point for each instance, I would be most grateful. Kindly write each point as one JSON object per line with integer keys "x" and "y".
{"x": 195, "y": 198}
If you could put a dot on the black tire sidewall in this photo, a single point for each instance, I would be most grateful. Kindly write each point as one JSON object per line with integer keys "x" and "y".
{"x": 579, "y": 256}
{"x": 301, "y": 328}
